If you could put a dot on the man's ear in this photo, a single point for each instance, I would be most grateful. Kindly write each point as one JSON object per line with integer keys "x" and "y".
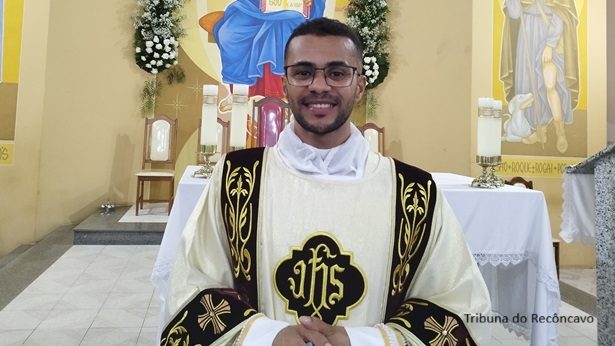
{"x": 361, "y": 86}
{"x": 285, "y": 86}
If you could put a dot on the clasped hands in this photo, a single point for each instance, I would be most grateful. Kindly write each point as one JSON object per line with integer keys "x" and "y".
{"x": 312, "y": 330}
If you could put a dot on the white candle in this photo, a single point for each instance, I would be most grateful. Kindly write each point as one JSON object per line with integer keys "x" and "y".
{"x": 239, "y": 116}
{"x": 497, "y": 131}
{"x": 487, "y": 129}
{"x": 209, "y": 115}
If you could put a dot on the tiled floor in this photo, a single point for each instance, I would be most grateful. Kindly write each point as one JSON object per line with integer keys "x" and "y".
{"x": 93, "y": 295}
{"x": 101, "y": 295}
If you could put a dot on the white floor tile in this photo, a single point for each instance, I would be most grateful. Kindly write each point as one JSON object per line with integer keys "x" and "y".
{"x": 111, "y": 337}
{"x": 68, "y": 319}
{"x": 64, "y": 337}
{"x": 81, "y": 301}
{"x": 14, "y": 337}
{"x": 148, "y": 337}
{"x": 34, "y": 301}
{"x": 119, "y": 318}
{"x": 21, "y": 319}
{"x": 120, "y": 300}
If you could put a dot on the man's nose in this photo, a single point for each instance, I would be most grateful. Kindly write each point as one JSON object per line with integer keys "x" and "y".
{"x": 320, "y": 81}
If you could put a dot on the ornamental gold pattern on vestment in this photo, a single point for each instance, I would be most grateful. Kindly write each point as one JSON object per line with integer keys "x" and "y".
{"x": 444, "y": 332}
{"x": 415, "y": 208}
{"x": 320, "y": 280}
{"x": 213, "y": 314}
{"x": 238, "y": 214}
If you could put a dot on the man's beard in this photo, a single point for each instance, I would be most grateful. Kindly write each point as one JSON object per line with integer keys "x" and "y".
{"x": 344, "y": 113}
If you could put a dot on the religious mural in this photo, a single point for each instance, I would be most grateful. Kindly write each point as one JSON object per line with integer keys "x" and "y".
{"x": 11, "y": 15}
{"x": 540, "y": 72}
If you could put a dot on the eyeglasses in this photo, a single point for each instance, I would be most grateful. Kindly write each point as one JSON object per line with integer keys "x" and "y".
{"x": 336, "y": 75}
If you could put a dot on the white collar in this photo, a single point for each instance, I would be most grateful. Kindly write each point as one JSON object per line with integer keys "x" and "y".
{"x": 346, "y": 161}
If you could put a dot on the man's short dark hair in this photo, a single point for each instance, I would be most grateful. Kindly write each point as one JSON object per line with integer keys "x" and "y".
{"x": 326, "y": 27}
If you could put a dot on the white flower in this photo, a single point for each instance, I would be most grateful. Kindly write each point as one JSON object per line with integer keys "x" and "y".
{"x": 158, "y": 46}
{"x": 159, "y": 63}
{"x": 138, "y": 49}
{"x": 156, "y": 55}
{"x": 149, "y": 44}
{"x": 366, "y": 60}
{"x": 143, "y": 58}
{"x": 148, "y": 65}
{"x": 368, "y": 72}
{"x": 167, "y": 49}
{"x": 166, "y": 41}
{"x": 376, "y": 67}
{"x": 175, "y": 62}
{"x": 154, "y": 70}
{"x": 165, "y": 56}
{"x": 156, "y": 39}
{"x": 153, "y": 62}
{"x": 167, "y": 65}
{"x": 366, "y": 67}
{"x": 372, "y": 80}
{"x": 373, "y": 59}
{"x": 149, "y": 50}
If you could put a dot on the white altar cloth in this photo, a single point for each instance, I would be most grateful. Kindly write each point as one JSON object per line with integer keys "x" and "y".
{"x": 579, "y": 209}
{"x": 507, "y": 230}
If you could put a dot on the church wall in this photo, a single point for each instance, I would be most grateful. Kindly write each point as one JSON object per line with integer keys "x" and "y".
{"x": 79, "y": 131}
{"x": 424, "y": 101}
{"x": 19, "y": 181}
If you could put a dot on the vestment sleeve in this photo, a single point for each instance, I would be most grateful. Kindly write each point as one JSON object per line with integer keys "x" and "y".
{"x": 202, "y": 306}
{"x": 446, "y": 290}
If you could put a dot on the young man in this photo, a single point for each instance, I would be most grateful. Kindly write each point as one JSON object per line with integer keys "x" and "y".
{"x": 317, "y": 239}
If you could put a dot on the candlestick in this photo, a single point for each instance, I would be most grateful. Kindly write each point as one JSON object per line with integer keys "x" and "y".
{"x": 239, "y": 116}
{"x": 209, "y": 115}
{"x": 488, "y": 142}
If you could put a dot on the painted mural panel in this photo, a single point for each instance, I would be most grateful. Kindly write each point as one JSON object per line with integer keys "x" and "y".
{"x": 11, "y": 16}
{"x": 540, "y": 70}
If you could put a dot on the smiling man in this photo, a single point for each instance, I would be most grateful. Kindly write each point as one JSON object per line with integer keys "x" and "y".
{"x": 318, "y": 240}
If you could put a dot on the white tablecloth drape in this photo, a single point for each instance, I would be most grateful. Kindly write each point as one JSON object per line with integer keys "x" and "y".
{"x": 507, "y": 230}
{"x": 578, "y": 211}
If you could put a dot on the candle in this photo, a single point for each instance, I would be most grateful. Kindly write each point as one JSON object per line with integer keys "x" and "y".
{"x": 488, "y": 130}
{"x": 209, "y": 115}
{"x": 497, "y": 124}
{"x": 239, "y": 116}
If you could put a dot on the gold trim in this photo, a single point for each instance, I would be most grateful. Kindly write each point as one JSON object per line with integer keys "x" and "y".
{"x": 238, "y": 215}
{"x": 411, "y": 228}
{"x": 342, "y": 252}
{"x": 179, "y": 330}
{"x": 246, "y": 328}
{"x": 213, "y": 314}
{"x": 445, "y": 331}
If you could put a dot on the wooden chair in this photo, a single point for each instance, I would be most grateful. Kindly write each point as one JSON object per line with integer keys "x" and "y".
{"x": 223, "y": 137}
{"x": 159, "y": 147}
{"x": 270, "y": 115}
{"x": 374, "y": 135}
{"x": 528, "y": 184}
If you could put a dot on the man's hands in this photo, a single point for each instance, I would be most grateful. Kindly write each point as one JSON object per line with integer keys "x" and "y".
{"x": 312, "y": 330}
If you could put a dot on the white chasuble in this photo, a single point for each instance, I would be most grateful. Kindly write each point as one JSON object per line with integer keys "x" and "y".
{"x": 267, "y": 245}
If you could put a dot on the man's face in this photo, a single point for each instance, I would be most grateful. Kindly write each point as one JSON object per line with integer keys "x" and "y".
{"x": 319, "y": 109}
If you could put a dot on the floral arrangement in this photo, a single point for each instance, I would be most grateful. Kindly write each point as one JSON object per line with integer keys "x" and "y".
{"x": 369, "y": 19}
{"x": 157, "y": 29}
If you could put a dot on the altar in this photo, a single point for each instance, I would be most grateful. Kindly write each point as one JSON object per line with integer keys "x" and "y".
{"x": 507, "y": 230}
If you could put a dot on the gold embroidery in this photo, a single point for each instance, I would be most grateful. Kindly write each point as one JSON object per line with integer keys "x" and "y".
{"x": 213, "y": 313}
{"x": 411, "y": 228}
{"x": 319, "y": 273}
{"x": 179, "y": 330}
{"x": 445, "y": 332}
{"x": 238, "y": 216}
{"x": 405, "y": 310}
